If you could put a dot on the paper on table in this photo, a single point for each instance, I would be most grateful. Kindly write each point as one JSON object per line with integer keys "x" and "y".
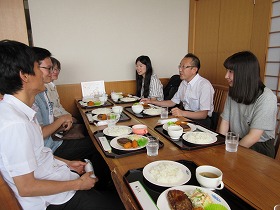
{"x": 143, "y": 197}
{"x": 89, "y": 89}
{"x": 206, "y": 130}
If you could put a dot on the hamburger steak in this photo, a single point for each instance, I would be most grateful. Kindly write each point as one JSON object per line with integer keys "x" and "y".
{"x": 123, "y": 141}
{"x": 178, "y": 200}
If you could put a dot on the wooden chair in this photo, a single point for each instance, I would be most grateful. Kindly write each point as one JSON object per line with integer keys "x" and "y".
{"x": 277, "y": 132}
{"x": 219, "y": 100}
{"x": 7, "y": 197}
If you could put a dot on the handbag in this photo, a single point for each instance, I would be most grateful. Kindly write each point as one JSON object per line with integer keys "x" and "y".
{"x": 77, "y": 131}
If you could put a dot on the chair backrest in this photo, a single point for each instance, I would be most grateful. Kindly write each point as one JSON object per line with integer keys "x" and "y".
{"x": 277, "y": 131}
{"x": 172, "y": 86}
{"x": 219, "y": 100}
{"x": 7, "y": 197}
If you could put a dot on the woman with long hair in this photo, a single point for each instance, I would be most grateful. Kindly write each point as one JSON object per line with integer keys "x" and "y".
{"x": 251, "y": 107}
{"x": 147, "y": 84}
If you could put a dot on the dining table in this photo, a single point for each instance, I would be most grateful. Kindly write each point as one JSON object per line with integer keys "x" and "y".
{"x": 253, "y": 178}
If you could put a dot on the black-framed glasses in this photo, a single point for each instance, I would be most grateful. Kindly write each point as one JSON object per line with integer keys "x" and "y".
{"x": 56, "y": 69}
{"x": 50, "y": 69}
{"x": 185, "y": 67}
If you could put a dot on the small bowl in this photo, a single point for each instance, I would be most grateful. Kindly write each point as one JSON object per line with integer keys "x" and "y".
{"x": 137, "y": 109}
{"x": 209, "y": 177}
{"x": 140, "y": 129}
{"x": 175, "y": 131}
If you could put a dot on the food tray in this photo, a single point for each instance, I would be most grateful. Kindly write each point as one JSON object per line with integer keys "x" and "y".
{"x": 182, "y": 144}
{"x": 117, "y": 153}
{"x": 141, "y": 115}
{"x": 123, "y": 117}
{"x": 154, "y": 191}
{"x": 107, "y": 103}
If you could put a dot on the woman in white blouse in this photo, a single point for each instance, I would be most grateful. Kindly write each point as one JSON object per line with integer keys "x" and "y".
{"x": 147, "y": 84}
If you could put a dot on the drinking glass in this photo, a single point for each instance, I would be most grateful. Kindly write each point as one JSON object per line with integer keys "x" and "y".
{"x": 164, "y": 113}
{"x": 232, "y": 141}
{"x": 152, "y": 146}
{"x": 112, "y": 119}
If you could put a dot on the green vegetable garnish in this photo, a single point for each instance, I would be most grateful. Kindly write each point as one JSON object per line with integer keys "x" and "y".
{"x": 137, "y": 103}
{"x": 142, "y": 142}
{"x": 170, "y": 123}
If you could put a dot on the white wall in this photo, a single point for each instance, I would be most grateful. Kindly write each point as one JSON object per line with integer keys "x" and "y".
{"x": 100, "y": 39}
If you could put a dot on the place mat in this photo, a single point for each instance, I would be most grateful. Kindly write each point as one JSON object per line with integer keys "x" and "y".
{"x": 117, "y": 153}
{"x": 141, "y": 115}
{"x": 154, "y": 191}
{"x": 107, "y": 103}
{"x": 182, "y": 144}
{"x": 123, "y": 117}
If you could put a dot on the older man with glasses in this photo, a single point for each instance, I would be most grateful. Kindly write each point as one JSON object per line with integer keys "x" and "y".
{"x": 195, "y": 92}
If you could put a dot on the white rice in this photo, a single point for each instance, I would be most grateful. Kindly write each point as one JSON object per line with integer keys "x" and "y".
{"x": 199, "y": 137}
{"x": 166, "y": 173}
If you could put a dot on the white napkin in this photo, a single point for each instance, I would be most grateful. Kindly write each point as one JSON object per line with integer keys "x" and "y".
{"x": 163, "y": 121}
{"x": 206, "y": 130}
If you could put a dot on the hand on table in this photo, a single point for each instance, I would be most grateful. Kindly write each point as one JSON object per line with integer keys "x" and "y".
{"x": 177, "y": 112}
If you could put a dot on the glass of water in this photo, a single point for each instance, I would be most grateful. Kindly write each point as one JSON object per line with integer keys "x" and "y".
{"x": 164, "y": 113}
{"x": 232, "y": 141}
{"x": 152, "y": 146}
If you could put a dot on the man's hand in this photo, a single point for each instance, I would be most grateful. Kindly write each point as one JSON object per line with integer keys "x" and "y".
{"x": 177, "y": 112}
{"x": 78, "y": 166}
{"x": 87, "y": 182}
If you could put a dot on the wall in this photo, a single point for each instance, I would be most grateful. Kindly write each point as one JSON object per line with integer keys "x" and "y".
{"x": 12, "y": 21}
{"x": 100, "y": 40}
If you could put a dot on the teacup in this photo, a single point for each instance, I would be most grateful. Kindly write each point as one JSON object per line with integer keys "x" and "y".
{"x": 115, "y": 97}
{"x": 209, "y": 177}
{"x": 103, "y": 98}
{"x": 117, "y": 109}
{"x": 140, "y": 129}
{"x": 175, "y": 131}
{"x": 137, "y": 109}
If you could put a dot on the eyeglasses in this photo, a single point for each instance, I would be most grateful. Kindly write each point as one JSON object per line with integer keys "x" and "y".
{"x": 184, "y": 67}
{"x": 50, "y": 69}
{"x": 56, "y": 69}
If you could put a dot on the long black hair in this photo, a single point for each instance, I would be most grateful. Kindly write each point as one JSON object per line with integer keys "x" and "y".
{"x": 247, "y": 85}
{"x": 149, "y": 71}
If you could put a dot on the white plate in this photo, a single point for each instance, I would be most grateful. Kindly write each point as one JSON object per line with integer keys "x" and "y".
{"x": 210, "y": 138}
{"x": 115, "y": 144}
{"x": 152, "y": 111}
{"x": 101, "y": 111}
{"x": 162, "y": 202}
{"x": 192, "y": 126}
{"x": 128, "y": 99}
{"x": 186, "y": 173}
{"x": 118, "y": 130}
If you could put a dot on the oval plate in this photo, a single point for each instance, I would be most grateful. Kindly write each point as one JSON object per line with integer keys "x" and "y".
{"x": 186, "y": 173}
{"x": 192, "y": 126}
{"x": 162, "y": 202}
{"x": 115, "y": 144}
{"x": 118, "y": 130}
{"x": 210, "y": 138}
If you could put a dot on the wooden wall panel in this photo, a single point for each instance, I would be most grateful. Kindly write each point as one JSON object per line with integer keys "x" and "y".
{"x": 69, "y": 92}
{"x": 12, "y": 21}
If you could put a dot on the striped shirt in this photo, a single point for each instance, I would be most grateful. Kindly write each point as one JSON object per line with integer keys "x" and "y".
{"x": 156, "y": 88}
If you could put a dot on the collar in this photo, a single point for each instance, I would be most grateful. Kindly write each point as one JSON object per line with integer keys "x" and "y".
{"x": 193, "y": 81}
{"x": 20, "y": 106}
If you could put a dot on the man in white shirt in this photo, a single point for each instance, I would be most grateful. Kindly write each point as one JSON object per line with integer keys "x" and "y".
{"x": 38, "y": 179}
{"x": 195, "y": 92}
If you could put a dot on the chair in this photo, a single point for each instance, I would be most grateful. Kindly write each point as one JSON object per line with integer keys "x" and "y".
{"x": 7, "y": 197}
{"x": 277, "y": 131}
{"x": 219, "y": 100}
{"x": 172, "y": 86}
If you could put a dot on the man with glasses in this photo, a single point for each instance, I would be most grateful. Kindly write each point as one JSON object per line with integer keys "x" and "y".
{"x": 38, "y": 179}
{"x": 195, "y": 92}
{"x": 71, "y": 149}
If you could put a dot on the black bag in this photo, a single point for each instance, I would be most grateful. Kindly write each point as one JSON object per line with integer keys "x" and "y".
{"x": 172, "y": 86}
{"x": 77, "y": 131}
